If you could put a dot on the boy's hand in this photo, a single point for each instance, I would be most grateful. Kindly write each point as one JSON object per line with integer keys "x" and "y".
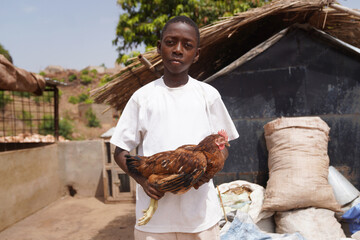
{"x": 120, "y": 159}
{"x": 149, "y": 189}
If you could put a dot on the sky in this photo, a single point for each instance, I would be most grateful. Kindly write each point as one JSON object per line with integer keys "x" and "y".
{"x": 71, "y": 33}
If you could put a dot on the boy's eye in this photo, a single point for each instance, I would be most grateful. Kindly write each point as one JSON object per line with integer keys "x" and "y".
{"x": 188, "y": 45}
{"x": 169, "y": 42}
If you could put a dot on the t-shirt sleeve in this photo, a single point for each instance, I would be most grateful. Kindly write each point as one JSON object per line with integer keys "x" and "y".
{"x": 127, "y": 133}
{"x": 220, "y": 118}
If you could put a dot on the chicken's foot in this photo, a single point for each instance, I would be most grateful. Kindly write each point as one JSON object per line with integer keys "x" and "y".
{"x": 148, "y": 213}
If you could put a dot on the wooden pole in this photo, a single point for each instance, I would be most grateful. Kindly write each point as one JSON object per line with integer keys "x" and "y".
{"x": 222, "y": 205}
{"x": 345, "y": 9}
{"x": 146, "y": 62}
{"x": 148, "y": 65}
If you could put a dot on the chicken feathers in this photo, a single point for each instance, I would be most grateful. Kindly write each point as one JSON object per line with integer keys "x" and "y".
{"x": 172, "y": 171}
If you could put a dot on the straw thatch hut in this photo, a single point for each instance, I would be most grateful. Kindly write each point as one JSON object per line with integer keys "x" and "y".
{"x": 266, "y": 38}
{"x": 17, "y": 79}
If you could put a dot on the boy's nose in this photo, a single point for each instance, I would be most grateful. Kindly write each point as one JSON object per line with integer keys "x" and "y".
{"x": 178, "y": 48}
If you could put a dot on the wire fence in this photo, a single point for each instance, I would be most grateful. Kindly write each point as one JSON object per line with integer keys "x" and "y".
{"x": 25, "y": 117}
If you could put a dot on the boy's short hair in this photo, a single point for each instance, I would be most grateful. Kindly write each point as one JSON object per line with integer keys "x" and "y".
{"x": 183, "y": 19}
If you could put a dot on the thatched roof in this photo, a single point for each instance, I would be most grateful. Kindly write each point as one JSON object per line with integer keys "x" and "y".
{"x": 17, "y": 79}
{"x": 230, "y": 38}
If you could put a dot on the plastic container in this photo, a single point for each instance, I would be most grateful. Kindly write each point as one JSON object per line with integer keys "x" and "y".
{"x": 344, "y": 191}
{"x": 353, "y": 217}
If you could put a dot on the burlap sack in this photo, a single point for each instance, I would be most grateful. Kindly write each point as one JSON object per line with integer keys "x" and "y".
{"x": 298, "y": 165}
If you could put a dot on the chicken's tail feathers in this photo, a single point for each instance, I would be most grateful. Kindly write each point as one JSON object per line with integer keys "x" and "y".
{"x": 133, "y": 163}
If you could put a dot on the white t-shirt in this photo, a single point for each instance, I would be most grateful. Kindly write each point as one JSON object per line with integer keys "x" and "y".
{"x": 158, "y": 118}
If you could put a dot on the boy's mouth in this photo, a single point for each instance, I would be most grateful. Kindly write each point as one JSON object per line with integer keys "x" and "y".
{"x": 175, "y": 61}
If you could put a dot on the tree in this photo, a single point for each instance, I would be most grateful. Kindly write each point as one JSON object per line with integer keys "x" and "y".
{"x": 6, "y": 53}
{"x": 142, "y": 20}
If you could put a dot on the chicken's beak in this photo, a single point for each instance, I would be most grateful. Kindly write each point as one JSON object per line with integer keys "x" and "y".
{"x": 227, "y": 144}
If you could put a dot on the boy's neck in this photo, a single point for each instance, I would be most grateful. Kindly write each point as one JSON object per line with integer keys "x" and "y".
{"x": 177, "y": 80}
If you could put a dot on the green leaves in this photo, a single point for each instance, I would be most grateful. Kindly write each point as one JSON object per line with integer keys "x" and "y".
{"x": 66, "y": 128}
{"x": 81, "y": 98}
{"x": 6, "y": 53}
{"x": 143, "y": 20}
{"x": 92, "y": 120}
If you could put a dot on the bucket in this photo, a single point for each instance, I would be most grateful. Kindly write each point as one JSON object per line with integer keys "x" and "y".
{"x": 344, "y": 191}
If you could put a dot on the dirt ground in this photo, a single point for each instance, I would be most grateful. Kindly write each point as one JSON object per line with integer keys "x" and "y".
{"x": 76, "y": 219}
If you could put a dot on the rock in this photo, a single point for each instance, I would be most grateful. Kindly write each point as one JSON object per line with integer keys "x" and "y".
{"x": 99, "y": 69}
{"x": 53, "y": 69}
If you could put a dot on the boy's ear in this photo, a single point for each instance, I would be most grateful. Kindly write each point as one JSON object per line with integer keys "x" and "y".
{"x": 196, "y": 58}
{"x": 159, "y": 47}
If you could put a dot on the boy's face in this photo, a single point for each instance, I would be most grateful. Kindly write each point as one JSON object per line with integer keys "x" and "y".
{"x": 178, "y": 48}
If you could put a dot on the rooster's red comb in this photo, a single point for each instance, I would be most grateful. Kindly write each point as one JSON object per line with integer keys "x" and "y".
{"x": 223, "y": 133}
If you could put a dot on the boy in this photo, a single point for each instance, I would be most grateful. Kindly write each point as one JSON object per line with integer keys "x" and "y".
{"x": 163, "y": 115}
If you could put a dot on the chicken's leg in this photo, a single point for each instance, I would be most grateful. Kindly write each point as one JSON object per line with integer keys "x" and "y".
{"x": 148, "y": 213}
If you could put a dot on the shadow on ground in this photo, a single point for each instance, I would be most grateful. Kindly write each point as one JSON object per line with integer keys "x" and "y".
{"x": 121, "y": 228}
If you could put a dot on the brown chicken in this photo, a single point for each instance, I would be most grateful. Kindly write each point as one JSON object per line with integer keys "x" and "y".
{"x": 179, "y": 170}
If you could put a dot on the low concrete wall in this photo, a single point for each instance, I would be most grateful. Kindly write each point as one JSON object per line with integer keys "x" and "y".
{"x": 29, "y": 180}
{"x": 83, "y": 163}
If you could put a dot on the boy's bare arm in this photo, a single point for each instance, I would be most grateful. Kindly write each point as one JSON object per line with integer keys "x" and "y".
{"x": 120, "y": 159}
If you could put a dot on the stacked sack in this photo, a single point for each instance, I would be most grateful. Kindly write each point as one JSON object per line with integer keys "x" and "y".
{"x": 298, "y": 189}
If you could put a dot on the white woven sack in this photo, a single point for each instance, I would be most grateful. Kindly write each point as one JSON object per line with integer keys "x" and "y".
{"x": 311, "y": 223}
{"x": 256, "y": 196}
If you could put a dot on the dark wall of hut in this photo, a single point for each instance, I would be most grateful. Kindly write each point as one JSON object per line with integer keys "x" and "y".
{"x": 303, "y": 74}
